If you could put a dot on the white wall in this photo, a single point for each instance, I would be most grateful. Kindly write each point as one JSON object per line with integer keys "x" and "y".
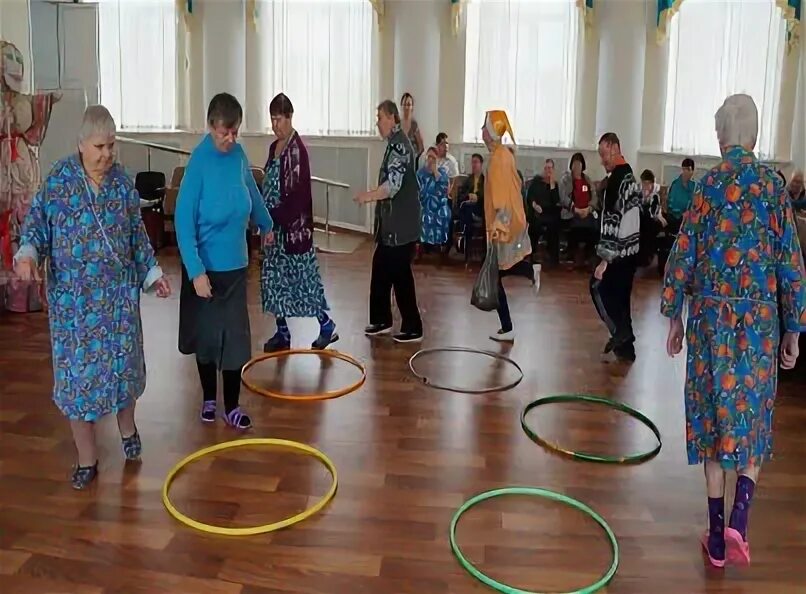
{"x": 799, "y": 131}
{"x": 621, "y": 74}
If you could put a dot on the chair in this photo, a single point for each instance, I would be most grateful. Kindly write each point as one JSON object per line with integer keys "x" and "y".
{"x": 151, "y": 186}
{"x": 169, "y": 204}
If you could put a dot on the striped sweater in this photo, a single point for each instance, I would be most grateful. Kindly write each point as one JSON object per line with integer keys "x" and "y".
{"x": 621, "y": 215}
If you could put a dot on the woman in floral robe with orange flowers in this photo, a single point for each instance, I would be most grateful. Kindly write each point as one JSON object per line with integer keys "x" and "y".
{"x": 737, "y": 257}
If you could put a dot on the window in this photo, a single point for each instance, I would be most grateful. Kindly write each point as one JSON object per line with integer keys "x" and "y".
{"x": 717, "y": 49}
{"x": 319, "y": 53}
{"x": 137, "y": 62}
{"x": 524, "y": 60}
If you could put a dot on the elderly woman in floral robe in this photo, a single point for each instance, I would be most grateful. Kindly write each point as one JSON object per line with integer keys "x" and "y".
{"x": 737, "y": 258}
{"x": 86, "y": 222}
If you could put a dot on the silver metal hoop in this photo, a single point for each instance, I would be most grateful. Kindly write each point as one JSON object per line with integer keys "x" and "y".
{"x": 498, "y": 356}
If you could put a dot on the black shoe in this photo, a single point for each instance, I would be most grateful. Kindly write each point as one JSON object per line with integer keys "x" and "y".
{"x": 327, "y": 336}
{"x": 277, "y": 343}
{"x": 408, "y": 337}
{"x": 625, "y": 354}
{"x": 378, "y": 329}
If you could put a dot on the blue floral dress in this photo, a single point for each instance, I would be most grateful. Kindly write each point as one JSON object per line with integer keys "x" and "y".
{"x": 99, "y": 259}
{"x": 737, "y": 256}
{"x": 435, "y": 206}
{"x": 291, "y": 284}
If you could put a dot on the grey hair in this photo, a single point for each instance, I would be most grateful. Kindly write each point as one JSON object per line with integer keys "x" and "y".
{"x": 797, "y": 172}
{"x": 97, "y": 122}
{"x": 737, "y": 122}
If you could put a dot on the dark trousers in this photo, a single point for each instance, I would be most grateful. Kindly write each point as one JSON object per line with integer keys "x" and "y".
{"x": 391, "y": 269}
{"x": 650, "y": 228}
{"x": 548, "y": 227}
{"x": 582, "y": 233}
{"x": 673, "y": 224}
{"x": 522, "y": 268}
{"x": 612, "y": 299}
{"x": 468, "y": 213}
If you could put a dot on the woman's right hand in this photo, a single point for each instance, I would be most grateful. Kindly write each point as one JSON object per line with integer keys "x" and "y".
{"x": 202, "y": 286}
{"x": 26, "y": 269}
{"x": 674, "y": 340}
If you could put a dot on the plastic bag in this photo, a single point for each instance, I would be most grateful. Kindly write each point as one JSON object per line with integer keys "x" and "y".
{"x": 485, "y": 291}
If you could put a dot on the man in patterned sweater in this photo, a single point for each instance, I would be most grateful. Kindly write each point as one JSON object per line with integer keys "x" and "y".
{"x": 611, "y": 285}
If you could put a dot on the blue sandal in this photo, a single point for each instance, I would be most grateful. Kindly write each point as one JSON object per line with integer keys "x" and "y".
{"x": 237, "y": 419}
{"x": 132, "y": 446}
{"x": 83, "y": 476}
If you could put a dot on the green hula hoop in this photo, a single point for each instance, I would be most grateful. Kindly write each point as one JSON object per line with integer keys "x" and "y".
{"x": 535, "y": 492}
{"x": 620, "y": 406}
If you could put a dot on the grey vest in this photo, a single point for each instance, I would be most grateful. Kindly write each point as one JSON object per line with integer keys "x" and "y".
{"x": 397, "y": 219}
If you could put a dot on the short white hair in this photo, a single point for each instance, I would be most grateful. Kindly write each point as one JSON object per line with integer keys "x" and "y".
{"x": 737, "y": 121}
{"x": 97, "y": 122}
{"x": 797, "y": 173}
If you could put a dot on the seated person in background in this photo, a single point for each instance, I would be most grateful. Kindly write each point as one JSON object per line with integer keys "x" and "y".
{"x": 435, "y": 207}
{"x": 652, "y": 219}
{"x": 580, "y": 205}
{"x": 543, "y": 211}
{"x": 444, "y": 158}
{"x": 796, "y": 191}
{"x": 470, "y": 200}
{"x": 681, "y": 193}
{"x": 511, "y": 149}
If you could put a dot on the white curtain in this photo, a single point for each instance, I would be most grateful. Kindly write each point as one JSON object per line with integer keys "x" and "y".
{"x": 718, "y": 48}
{"x": 521, "y": 56}
{"x": 319, "y": 53}
{"x": 137, "y": 60}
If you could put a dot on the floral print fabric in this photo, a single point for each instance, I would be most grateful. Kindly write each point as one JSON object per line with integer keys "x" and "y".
{"x": 737, "y": 256}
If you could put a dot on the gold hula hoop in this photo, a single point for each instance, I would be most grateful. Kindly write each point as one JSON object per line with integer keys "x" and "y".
{"x": 248, "y": 531}
{"x": 305, "y": 397}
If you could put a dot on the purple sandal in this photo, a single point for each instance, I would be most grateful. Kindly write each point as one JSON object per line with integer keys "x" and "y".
{"x": 208, "y": 411}
{"x": 237, "y": 419}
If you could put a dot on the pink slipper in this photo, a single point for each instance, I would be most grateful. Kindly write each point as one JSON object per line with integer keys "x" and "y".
{"x": 737, "y": 550}
{"x": 714, "y": 562}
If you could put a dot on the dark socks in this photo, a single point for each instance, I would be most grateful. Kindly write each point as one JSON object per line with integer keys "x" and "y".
{"x": 208, "y": 375}
{"x": 716, "y": 525}
{"x": 740, "y": 514}
{"x": 323, "y": 318}
{"x": 282, "y": 329}
{"x": 232, "y": 389}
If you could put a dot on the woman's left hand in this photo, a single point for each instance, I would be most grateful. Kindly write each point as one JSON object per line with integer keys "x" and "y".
{"x": 789, "y": 350}
{"x": 162, "y": 287}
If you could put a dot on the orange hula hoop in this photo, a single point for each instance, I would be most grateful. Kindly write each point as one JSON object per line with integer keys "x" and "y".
{"x": 305, "y": 397}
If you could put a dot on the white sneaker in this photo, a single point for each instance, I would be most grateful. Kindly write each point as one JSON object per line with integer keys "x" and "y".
{"x": 502, "y": 336}
{"x": 537, "y": 268}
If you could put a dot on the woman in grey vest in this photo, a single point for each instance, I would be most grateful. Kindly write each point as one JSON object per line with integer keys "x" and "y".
{"x": 397, "y": 230}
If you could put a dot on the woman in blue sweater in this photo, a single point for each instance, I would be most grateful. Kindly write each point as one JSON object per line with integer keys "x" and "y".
{"x": 217, "y": 200}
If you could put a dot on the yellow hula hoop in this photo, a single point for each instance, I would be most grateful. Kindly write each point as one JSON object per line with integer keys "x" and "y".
{"x": 305, "y": 397}
{"x": 248, "y": 531}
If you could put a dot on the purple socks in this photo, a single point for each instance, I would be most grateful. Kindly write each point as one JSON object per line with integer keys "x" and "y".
{"x": 741, "y": 505}
{"x": 716, "y": 527}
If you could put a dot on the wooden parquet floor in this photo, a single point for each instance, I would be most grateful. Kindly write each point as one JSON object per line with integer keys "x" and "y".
{"x": 407, "y": 457}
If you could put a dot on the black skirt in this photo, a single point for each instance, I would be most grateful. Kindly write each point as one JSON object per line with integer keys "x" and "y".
{"x": 216, "y": 330}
